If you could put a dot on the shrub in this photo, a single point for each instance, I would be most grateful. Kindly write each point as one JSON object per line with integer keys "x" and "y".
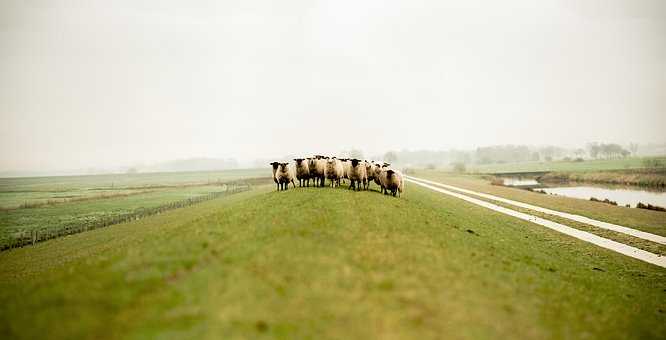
{"x": 497, "y": 181}
{"x": 459, "y": 167}
{"x": 649, "y": 207}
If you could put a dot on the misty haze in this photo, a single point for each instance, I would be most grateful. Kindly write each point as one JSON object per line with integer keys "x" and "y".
{"x": 333, "y": 169}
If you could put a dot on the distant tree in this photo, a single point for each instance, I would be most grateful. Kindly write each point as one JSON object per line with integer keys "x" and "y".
{"x": 356, "y": 153}
{"x": 132, "y": 171}
{"x": 625, "y": 153}
{"x": 502, "y": 154}
{"x": 579, "y": 153}
{"x": 390, "y": 157}
{"x": 633, "y": 147}
{"x": 593, "y": 149}
{"x": 534, "y": 157}
{"x": 550, "y": 152}
{"x": 612, "y": 151}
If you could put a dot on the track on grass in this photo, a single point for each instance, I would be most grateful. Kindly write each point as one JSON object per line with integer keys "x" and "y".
{"x": 579, "y": 234}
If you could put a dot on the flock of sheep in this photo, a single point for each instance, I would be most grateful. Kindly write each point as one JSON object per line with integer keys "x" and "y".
{"x": 319, "y": 168}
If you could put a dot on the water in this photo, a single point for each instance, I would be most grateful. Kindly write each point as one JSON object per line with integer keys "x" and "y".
{"x": 621, "y": 195}
{"x": 520, "y": 182}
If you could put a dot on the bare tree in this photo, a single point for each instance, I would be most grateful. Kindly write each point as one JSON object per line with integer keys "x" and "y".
{"x": 390, "y": 157}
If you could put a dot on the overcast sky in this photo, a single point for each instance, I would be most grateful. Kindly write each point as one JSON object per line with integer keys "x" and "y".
{"x": 108, "y": 83}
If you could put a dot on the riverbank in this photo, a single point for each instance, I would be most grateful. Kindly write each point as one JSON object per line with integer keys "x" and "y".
{"x": 655, "y": 177}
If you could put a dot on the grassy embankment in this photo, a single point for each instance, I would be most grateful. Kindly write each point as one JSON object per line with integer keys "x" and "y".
{"x": 645, "y": 220}
{"x": 323, "y": 263}
{"x": 640, "y": 177}
{"x": 91, "y": 199}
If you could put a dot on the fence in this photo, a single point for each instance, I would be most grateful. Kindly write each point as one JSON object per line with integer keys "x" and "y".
{"x": 30, "y": 237}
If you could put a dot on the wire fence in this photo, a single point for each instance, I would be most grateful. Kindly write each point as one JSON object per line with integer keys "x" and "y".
{"x": 41, "y": 234}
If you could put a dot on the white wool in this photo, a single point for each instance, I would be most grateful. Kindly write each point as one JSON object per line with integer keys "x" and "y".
{"x": 302, "y": 170}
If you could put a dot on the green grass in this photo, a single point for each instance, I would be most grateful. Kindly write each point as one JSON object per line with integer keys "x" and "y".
{"x": 641, "y": 219}
{"x": 325, "y": 263}
{"x": 74, "y": 213}
{"x": 73, "y": 200}
{"x": 17, "y": 191}
{"x": 588, "y": 165}
{"x": 654, "y": 178}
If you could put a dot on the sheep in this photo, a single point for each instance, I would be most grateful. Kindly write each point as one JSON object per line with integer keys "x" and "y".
{"x": 312, "y": 169}
{"x": 284, "y": 176}
{"x": 346, "y": 167}
{"x": 377, "y": 169}
{"x": 275, "y": 167}
{"x": 319, "y": 174}
{"x": 370, "y": 172}
{"x": 357, "y": 174}
{"x": 302, "y": 172}
{"x": 391, "y": 181}
{"x": 333, "y": 171}
{"x": 381, "y": 173}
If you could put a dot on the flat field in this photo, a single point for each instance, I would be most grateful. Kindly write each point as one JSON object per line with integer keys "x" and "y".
{"x": 52, "y": 203}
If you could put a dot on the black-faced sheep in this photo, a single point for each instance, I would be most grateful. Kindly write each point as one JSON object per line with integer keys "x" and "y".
{"x": 284, "y": 176}
{"x": 275, "y": 165}
{"x": 357, "y": 174}
{"x": 334, "y": 171}
{"x": 392, "y": 181}
{"x": 302, "y": 172}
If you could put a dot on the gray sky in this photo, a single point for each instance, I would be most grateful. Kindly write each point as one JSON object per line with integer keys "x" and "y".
{"x": 108, "y": 83}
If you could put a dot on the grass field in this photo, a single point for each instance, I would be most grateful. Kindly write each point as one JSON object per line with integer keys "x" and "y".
{"x": 587, "y": 165}
{"x": 51, "y": 203}
{"x": 641, "y": 219}
{"x": 328, "y": 263}
{"x": 34, "y": 190}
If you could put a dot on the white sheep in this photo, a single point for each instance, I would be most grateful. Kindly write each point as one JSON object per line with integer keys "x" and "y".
{"x": 320, "y": 166}
{"x": 334, "y": 171}
{"x": 370, "y": 172}
{"x": 357, "y": 174}
{"x": 377, "y": 170}
{"x": 284, "y": 176}
{"x": 302, "y": 172}
{"x": 346, "y": 167}
{"x": 391, "y": 181}
{"x": 275, "y": 165}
